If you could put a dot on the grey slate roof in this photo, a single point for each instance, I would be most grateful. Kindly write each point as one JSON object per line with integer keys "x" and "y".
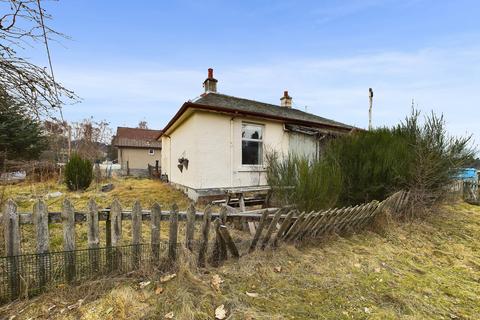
{"x": 231, "y": 103}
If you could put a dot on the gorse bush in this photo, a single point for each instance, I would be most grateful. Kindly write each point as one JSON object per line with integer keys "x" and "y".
{"x": 78, "y": 173}
{"x": 367, "y": 165}
{"x": 299, "y": 180}
{"x": 372, "y": 164}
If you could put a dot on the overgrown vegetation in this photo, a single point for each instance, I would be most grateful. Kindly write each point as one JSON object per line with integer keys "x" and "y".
{"x": 368, "y": 165}
{"x": 426, "y": 270}
{"x": 308, "y": 184}
{"x": 78, "y": 173}
{"x": 21, "y": 136}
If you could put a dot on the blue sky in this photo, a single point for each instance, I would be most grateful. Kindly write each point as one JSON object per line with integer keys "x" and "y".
{"x": 140, "y": 60}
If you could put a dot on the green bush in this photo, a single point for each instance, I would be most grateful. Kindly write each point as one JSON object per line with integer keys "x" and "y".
{"x": 417, "y": 156}
{"x": 371, "y": 165}
{"x": 309, "y": 184}
{"x": 78, "y": 173}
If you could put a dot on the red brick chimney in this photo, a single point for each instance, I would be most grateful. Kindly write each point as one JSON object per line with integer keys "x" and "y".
{"x": 286, "y": 100}
{"x": 210, "y": 84}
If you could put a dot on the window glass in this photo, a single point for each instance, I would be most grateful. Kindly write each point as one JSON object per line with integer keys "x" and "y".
{"x": 252, "y": 144}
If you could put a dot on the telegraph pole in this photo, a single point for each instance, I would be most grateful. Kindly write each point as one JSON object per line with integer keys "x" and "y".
{"x": 370, "y": 98}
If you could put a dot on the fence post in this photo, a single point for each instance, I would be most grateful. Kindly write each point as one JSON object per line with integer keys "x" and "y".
{"x": 228, "y": 241}
{"x": 136, "y": 232}
{"x": 155, "y": 218}
{"x": 68, "y": 218}
{"x": 92, "y": 234}
{"x": 40, "y": 221}
{"x": 258, "y": 232}
{"x": 283, "y": 228}
{"x": 190, "y": 228}
{"x": 270, "y": 229}
{"x": 202, "y": 253}
{"x": 172, "y": 242}
{"x": 12, "y": 246}
{"x": 116, "y": 234}
{"x": 219, "y": 253}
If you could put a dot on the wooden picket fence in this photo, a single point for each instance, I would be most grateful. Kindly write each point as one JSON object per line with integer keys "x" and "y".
{"x": 23, "y": 275}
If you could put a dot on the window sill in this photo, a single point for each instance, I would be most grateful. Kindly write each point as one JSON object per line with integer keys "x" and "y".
{"x": 252, "y": 168}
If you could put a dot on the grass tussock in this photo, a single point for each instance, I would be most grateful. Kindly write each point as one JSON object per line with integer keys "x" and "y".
{"x": 429, "y": 269}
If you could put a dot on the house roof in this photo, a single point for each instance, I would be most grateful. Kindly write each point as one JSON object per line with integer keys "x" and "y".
{"x": 224, "y": 103}
{"x": 137, "y": 138}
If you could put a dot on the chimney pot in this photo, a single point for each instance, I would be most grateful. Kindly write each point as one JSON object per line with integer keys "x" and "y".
{"x": 210, "y": 73}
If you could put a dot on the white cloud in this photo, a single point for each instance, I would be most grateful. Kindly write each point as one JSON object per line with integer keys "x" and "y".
{"x": 443, "y": 79}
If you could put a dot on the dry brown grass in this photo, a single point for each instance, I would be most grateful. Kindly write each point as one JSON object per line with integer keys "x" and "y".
{"x": 427, "y": 269}
{"x": 126, "y": 190}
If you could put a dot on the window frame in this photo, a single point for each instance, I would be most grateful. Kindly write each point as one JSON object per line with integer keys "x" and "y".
{"x": 260, "y": 141}
{"x": 151, "y": 152}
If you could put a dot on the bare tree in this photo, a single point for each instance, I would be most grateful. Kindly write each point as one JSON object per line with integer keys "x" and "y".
{"x": 142, "y": 125}
{"x": 21, "y": 26}
{"x": 91, "y": 137}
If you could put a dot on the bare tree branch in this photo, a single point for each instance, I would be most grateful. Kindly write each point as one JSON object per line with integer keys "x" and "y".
{"x": 28, "y": 83}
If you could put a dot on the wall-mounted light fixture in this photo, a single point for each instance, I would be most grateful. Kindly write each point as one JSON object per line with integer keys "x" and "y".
{"x": 182, "y": 163}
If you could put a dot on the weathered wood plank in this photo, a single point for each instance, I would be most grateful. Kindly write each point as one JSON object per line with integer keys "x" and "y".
{"x": 190, "y": 227}
{"x": 12, "y": 246}
{"x": 115, "y": 255}
{"x": 136, "y": 223}
{"x": 306, "y": 225}
{"x": 329, "y": 220}
{"x": 302, "y": 227}
{"x": 319, "y": 225}
{"x": 92, "y": 221}
{"x": 68, "y": 216}
{"x": 40, "y": 221}
{"x": 283, "y": 227}
{"x": 271, "y": 228}
{"x": 136, "y": 232}
{"x": 223, "y": 215}
{"x": 172, "y": 241}
{"x": 92, "y": 234}
{"x": 251, "y": 227}
{"x": 332, "y": 227}
{"x": 104, "y": 215}
{"x": 297, "y": 227}
{"x": 155, "y": 233}
{"x": 294, "y": 226}
{"x": 202, "y": 253}
{"x": 219, "y": 253}
{"x": 258, "y": 232}
{"x": 229, "y": 241}
{"x": 347, "y": 219}
{"x": 116, "y": 222}
{"x": 316, "y": 222}
{"x": 350, "y": 222}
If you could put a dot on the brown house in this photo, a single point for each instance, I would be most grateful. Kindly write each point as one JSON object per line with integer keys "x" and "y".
{"x": 137, "y": 148}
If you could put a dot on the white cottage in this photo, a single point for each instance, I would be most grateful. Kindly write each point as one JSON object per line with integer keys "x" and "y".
{"x": 217, "y": 143}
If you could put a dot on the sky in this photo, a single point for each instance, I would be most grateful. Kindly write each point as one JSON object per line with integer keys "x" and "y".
{"x": 140, "y": 60}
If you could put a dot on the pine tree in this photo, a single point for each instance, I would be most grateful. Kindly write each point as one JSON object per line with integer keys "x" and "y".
{"x": 21, "y": 136}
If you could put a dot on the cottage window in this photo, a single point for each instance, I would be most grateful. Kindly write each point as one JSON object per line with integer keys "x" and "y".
{"x": 252, "y": 144}
{"x": 151, "y": 152}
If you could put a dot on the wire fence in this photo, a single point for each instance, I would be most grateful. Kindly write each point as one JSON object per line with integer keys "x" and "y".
{"x": 30, "y": 274}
